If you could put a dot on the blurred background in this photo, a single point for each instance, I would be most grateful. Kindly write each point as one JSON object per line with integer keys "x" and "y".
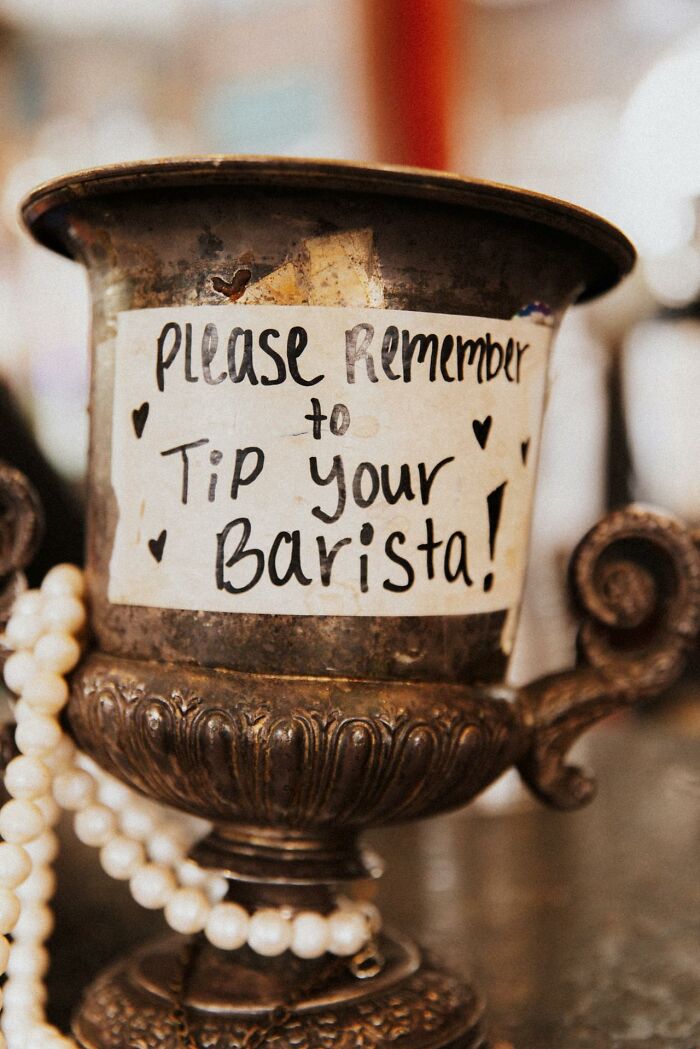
{"x": 595, "y": 101}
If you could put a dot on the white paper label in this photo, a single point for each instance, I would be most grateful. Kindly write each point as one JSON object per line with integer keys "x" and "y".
{"x": 318, "y": 460}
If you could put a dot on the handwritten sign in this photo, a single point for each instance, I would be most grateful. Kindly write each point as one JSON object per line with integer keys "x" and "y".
{"x": 317, "y": 460}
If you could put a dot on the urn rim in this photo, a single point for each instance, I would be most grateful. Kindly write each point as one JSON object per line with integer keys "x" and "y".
{"x": 615, "y": 251}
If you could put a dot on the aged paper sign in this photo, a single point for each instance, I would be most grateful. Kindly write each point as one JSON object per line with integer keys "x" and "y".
{"x": 323, "y": 460}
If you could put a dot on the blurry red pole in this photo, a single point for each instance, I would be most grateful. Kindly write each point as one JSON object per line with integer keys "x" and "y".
{"x": 412, "y": 54}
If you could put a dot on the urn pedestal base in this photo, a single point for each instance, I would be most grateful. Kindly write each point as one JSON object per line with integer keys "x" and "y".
{"x": 185, "y": 994}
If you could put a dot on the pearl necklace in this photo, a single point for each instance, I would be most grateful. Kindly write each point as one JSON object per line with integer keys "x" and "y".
{"x": 139, "y": 841}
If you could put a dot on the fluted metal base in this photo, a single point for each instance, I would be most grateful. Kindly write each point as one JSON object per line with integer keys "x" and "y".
{"x": 179, "y": 994}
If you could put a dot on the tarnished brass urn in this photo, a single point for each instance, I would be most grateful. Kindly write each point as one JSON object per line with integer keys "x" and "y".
{"x": 317, "y": 394}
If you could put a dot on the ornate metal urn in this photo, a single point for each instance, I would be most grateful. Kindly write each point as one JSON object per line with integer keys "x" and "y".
{"x": 317, "y": 394}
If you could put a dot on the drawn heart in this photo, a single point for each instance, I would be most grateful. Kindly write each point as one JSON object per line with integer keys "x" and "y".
{"x": 524, "y": 449}
{"x": 138, "y": 418}
{"x": 234, "y": 288}
{"x": 156, "y": 546}
{"x": 482, "y": 429}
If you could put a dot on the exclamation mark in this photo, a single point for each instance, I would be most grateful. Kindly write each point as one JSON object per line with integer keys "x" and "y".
{"x": 494, "y": 502}
{"x": 366, "y": 537}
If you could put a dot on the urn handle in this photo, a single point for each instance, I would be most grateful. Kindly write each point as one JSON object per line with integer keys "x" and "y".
{"x": 635, "y": 578}
{"x": 21, "y": 529}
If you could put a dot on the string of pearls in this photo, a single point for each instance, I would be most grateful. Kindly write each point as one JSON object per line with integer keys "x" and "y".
{"x": 139, "y": 841}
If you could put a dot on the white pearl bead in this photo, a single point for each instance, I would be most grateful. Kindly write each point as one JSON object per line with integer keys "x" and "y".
{"x": 16, "y": 1020}
{"x": 28, "y": 959}
{"x": 49, "y": 809}
{"x": 20, "y": 821}
{"x": 371, "y": 914}
{"x": 310, "y": 935}
{"x": 191, "y": 875}
{"x": 38, "y": 887}
{"x": 63, "y": 579}
{"x": 193, "y": 826}
{"x": 121, "y": 858}
{"x": 35, "y": 923}
{"x": 61, "y": 1042}
{"x": 40, "y": 1036}
{"x": 227, "y": 926}
{"x": 37, "y": 734}
{"x": 19, "y": 668}
{"x": 348, "y": 932}
{"x": 62, "y": 755}
{"x": 30, "y": 603}
{"x": 167, "y": 847}
{"x": 216, "y": 888}
{"x": 21, "y": 992}
{"x": 23, "y": 631}
{"x": 15, "y": 865}
{"x": 9, "y": 910}
{"x": 137, "y": 821}
{"x": 95, "y": 825}
{"x": 19, "y": 1027}
{"x": 114, "y": 794}
{"x": 4, "y": 953}
{"x": 27, "y": 777}
{"x": 187, "y": 911}
{"x": 57, "y": 651}
{"x": 83, "y": 761}
{"x": 63, "y": 612}
{"x": 153, "y": 885}
{"x": 269, "y": 933}
{"x": 74, "y": 789}
{"x": 45, "y": 691}
{"x": 44, "y": 849}
{"x": 22, "y": 711}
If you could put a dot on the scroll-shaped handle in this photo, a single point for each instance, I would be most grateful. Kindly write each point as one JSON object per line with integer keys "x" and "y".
{"x": 21, "y": 528}
{"x": 636, "y": 579}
